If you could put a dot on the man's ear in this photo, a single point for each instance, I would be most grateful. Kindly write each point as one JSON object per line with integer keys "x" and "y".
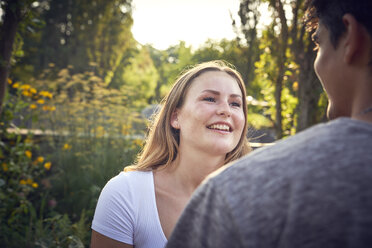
{"x": 354, "y": 40}
{"x": 174, "y": 120}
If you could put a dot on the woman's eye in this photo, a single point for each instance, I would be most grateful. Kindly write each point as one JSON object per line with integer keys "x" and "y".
{"x": 235, "y": 104}
{"x": 209, "y": 99}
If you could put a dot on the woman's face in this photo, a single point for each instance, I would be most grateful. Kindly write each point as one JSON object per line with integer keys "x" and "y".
{"x": 211, "y": 119}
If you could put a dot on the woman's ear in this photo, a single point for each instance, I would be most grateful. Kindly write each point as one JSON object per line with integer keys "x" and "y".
{"x": 174, "y": 120}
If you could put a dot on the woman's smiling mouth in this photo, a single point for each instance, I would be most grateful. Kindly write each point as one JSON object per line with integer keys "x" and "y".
{"x": 220, "y": 127}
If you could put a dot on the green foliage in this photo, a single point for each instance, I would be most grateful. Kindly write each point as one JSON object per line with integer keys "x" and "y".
{"x": 81, "y": 34}
{"x": 258, "y": 121}
{"x": 88, "y": 81}
{"x": 58, "y": 231}
{"x": 96, "y": 131}
{"x": 169, "y": 65}
{"x": 179, "y": 57}
{"x": 140, "y": 76}
{"x": 23, "y": 176}
{"x": 266, "y": 72}
{"x": 101, "y": 135}
{"x": 283, "y": 55}
{"x": 227, "y": 50}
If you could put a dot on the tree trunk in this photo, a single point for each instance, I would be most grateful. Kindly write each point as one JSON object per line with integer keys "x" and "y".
{"x": 309, "y": 87}
{"x": 278, "y": 106}
{"x": 308, "y": 100}
{"x": 283, "y": 44}
{"x": 8, "y": 31}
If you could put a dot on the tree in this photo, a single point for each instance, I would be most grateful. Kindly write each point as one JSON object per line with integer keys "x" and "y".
{"x": 169, "y": 64}
{"x": 160, "y": 60}
{"x": 15, "y": 11}
{"x": 141, "y": 76}
{"x": 291, "y": 50}
{"x": 232, "y": 52}
{"x": 310, "y": 88}
{"x": 82, "y": 34}
{"x": 249, "y": 17}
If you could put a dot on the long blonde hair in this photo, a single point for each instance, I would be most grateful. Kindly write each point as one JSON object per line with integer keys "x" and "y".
{"x": 161, "y": 146}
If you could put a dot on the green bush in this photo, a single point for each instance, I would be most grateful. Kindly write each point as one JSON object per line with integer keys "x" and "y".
{"x": 57, "y": 151}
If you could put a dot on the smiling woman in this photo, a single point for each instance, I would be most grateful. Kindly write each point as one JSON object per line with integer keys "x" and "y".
{"x": 212, "y": 118}
{"x": 201, "y": 127}
{"x": 165, "y": 22}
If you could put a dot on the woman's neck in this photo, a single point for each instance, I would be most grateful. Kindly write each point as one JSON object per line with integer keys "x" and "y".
{"x": 189, "y": 169}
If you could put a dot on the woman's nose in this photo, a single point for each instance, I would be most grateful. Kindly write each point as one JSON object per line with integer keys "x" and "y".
{"x": 224, "y": 109}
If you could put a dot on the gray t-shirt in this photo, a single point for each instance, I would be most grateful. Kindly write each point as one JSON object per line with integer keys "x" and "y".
{"x": 311, "y": 190}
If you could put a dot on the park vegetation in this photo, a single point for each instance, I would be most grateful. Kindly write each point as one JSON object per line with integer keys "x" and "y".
{"x": 75, "y": 87}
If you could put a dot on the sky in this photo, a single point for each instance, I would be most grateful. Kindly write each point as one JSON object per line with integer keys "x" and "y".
{"x": 163, "y": 23}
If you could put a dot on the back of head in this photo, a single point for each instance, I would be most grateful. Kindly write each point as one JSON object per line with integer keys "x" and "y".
{"x": 330, "y": 13}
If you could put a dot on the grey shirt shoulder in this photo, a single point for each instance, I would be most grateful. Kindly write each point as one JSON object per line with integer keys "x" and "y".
{"x": 310, "y": 190}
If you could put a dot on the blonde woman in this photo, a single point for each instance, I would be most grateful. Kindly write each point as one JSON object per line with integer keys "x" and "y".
{"x": 201, "y": 126}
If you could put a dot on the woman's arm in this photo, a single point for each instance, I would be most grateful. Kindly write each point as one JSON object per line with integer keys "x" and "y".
{"x": 98, "y": 240}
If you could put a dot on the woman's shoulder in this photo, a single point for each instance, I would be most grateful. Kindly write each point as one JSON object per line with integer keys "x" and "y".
{"x": 132, "y": 175}
{"x": 129, "y": 181}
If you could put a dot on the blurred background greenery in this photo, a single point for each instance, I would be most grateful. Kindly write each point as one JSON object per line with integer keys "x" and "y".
{"x": 76, "y": 91}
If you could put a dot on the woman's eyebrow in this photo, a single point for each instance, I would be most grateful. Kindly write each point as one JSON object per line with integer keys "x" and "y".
{"x": 215, "y": 92}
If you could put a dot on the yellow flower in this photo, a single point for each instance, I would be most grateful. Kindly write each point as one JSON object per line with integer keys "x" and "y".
{"x": 40, "y": 101}
{"x": 5, "y": 166}
{"x": 26, "y": 93}
{"x": 25, "y": 87}
{"x": 22, "y": 182}
{"x": 16, "y": 85}
{"x": 34, "y": 185}
{"x": 46, "y": 94}
{"x": 28, "y": 154}
{"x": 295, "y": 86}
{"x": 29, "y": 181}
{"x": 33, "y": 106}
{"x": 33, "y": 91}
{"x": 9, "y": 81}
{"x": 28, "y": 141}
{"x": 66, "y": 147}
{"x": 47, "y": 165}
{"x": 43, "y": 93}
{"x": 40, "y": 159}
{"x": 49, "y": 108}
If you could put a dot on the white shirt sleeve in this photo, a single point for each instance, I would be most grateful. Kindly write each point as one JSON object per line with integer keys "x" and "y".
{"x": 114, "y": 215}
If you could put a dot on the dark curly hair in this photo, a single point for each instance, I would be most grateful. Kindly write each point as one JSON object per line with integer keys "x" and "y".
{"x": 330, "y": 13}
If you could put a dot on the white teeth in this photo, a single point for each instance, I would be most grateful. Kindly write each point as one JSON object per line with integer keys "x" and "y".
{"x": 220, "y": 127}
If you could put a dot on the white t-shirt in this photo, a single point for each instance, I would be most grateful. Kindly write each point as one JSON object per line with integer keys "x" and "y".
{"x": 126, "y": 211}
